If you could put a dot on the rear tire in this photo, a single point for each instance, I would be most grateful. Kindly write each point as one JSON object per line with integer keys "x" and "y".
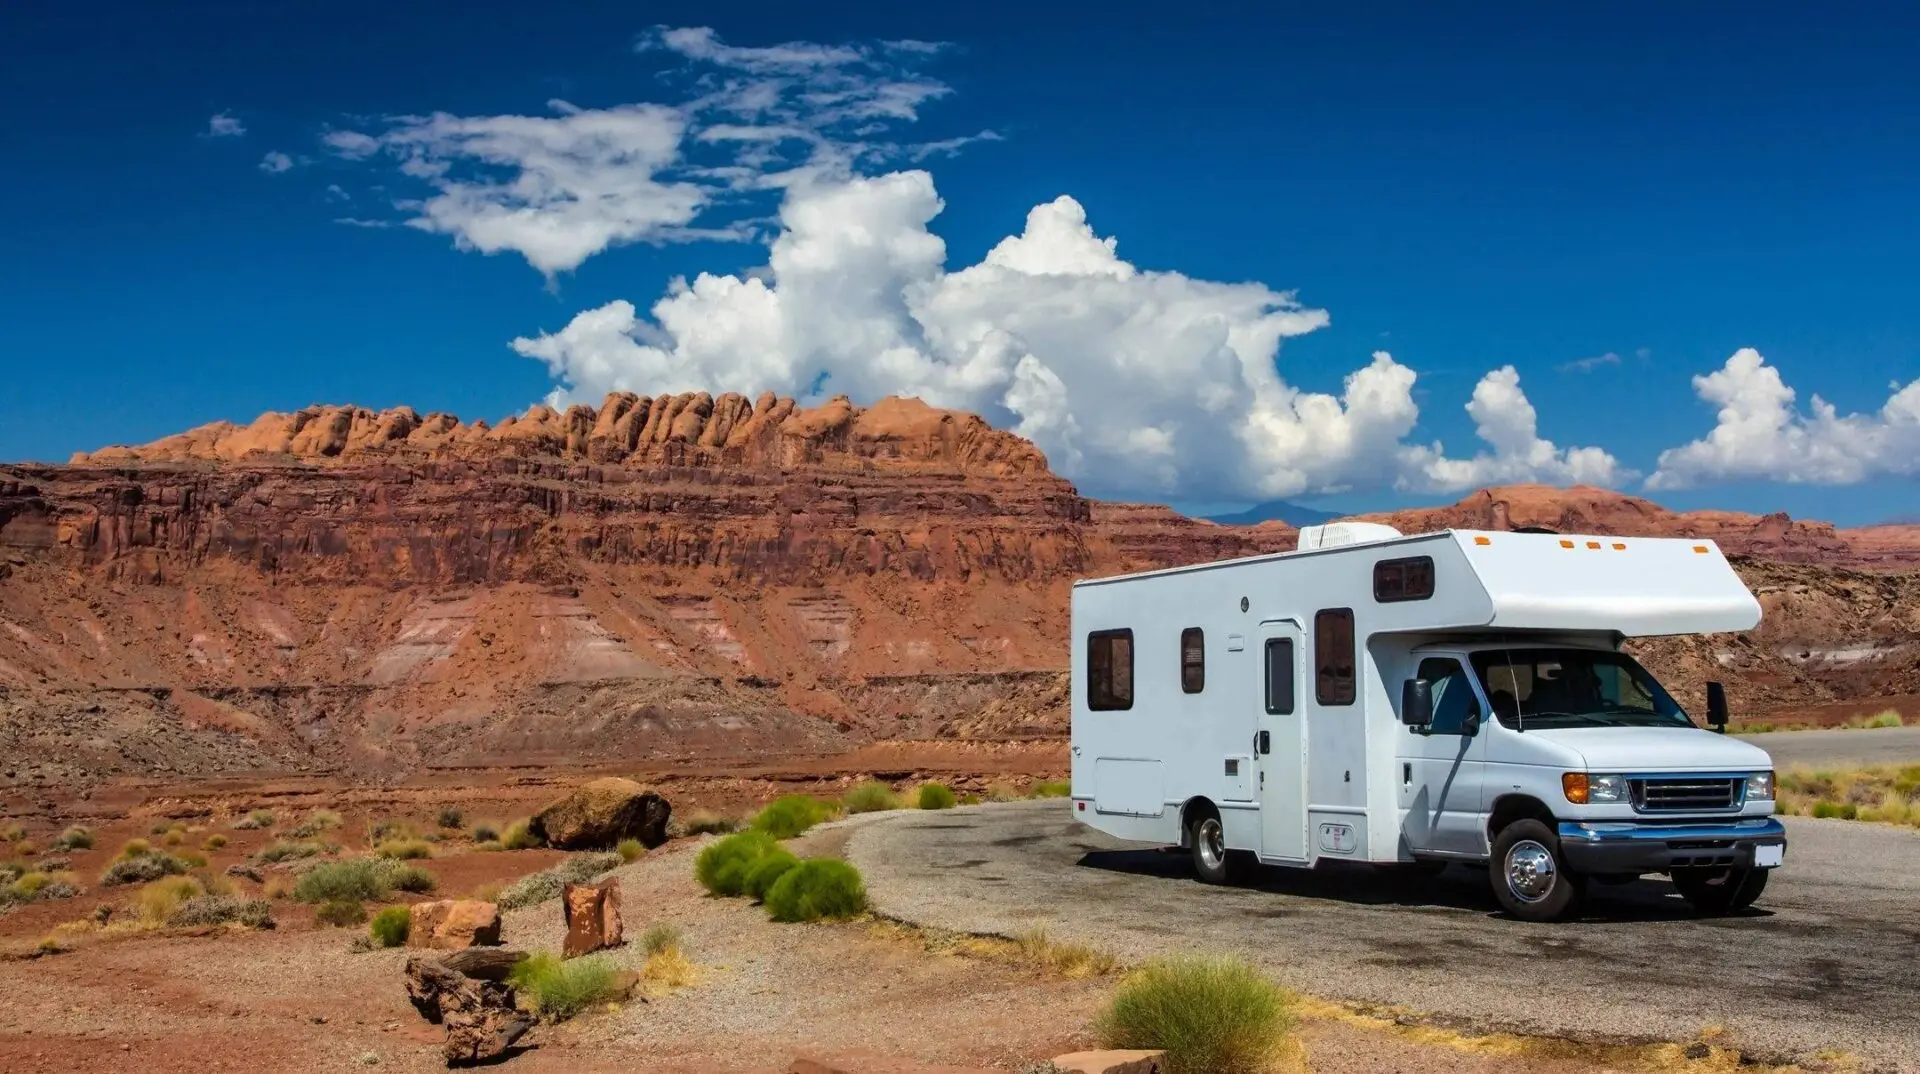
{"x": 1530, "y": 876}
{"x": 1212, "y": 861}
{"x": 1717, "y": 892}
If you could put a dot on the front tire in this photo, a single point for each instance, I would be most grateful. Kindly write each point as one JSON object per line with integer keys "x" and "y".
{"x": 1530, "y": 876}
{"x": 1212, "y": 861}
{"x": 1717, "y": 892}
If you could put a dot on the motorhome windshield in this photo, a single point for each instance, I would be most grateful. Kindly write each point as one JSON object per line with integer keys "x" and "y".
{"x": 1573, "y": 688}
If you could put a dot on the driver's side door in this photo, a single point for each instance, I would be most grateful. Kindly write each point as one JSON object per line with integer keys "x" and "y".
{"x": 1443, "y": 774}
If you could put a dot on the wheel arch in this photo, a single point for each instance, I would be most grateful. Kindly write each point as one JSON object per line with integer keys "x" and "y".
{"x": 1516, "y": 806}
{"x": 1196, "y": 809}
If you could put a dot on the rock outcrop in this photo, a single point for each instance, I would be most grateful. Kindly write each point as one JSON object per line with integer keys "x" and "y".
{"x": 468, "y": 994}
{"x": 600, "y": 814}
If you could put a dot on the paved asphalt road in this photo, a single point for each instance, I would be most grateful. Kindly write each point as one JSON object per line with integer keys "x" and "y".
{"x": 1828, "y": 959}
{"x": 1831, "y": 749}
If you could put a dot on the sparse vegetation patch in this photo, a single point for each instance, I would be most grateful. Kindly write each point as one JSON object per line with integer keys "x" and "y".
{"x": 1052, "y": 788}
{"x": 790, "y": 815}
{"x": 547, "y": 884}
{"x": 141, "y": 869}
{"x": 259, "y": 818}
{"x": 722, "y": 866}
{"x": 870, "y": 797}
{"x": 341, "y": 913}
{"x": 707, "y": 822}
{"x": 630, "y": 850}
{"x": 519, "y": 836}
{"x": 74, "y": 838}
{"x": 1211, "y": 1015}
{"x": 222, "y": 910}
{"x": 935, "y": 796}
{"x": 390, "y": 927}
{"x": 815, "y": 889}
{"x": 1886, "y": 794}
{"x": 558, "y": 990}
{"x": 360, "y": 880}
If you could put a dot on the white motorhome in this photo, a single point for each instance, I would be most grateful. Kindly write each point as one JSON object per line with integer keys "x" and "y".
{"x": 1454, "y": 696}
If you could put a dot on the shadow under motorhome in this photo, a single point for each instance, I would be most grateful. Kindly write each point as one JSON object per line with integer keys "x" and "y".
{"x": 1452, "y": 696}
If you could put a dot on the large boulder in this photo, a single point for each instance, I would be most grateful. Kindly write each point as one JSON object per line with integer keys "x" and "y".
{"x": 601, "y": 813}
{"x": 453, "y": 924}
{"x": 592, "y": 915}
{"x": 479, "y": 1011}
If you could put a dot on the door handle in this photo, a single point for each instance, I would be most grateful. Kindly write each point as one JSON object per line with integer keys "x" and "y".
{"x": 1263, "y": 742}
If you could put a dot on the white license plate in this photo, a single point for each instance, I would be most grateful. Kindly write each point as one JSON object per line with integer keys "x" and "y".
{"x": 1766, "y": 857}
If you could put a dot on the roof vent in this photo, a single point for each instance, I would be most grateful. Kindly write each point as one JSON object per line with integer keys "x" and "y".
{"x": 1335, "y": 534}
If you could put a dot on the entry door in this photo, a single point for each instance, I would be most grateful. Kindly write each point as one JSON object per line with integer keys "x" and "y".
{"x": 1443, "y": 773}
{"x": 1281, "y": 745}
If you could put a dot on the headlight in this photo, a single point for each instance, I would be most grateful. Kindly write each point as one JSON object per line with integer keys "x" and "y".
{"x": 1582, "y": 788}
{"x": 1760, "y": 787}
{"x": 1607, "y": 788}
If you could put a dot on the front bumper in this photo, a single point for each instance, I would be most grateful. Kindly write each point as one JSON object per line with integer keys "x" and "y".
{"x": 1626, "y": 847}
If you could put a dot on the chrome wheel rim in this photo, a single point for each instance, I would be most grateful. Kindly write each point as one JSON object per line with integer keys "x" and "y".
{"x": 1212, "y": 845}
{"x": 1531, "y": 872}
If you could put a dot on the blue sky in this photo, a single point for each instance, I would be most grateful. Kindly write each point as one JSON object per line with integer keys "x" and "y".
{"x": 1609, "y": 202}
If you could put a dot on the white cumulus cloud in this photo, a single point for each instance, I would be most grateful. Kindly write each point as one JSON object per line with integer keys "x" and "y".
{"x": 1132, "y": 380}
{"x": 275, "y": 162}
{"x": 224, "y": 125}
{"x": 1760, "y": 434}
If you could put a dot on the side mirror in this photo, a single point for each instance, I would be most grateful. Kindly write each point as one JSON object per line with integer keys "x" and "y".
{"x": 1416, "y": 703}
{"x": 1717, "y": 707}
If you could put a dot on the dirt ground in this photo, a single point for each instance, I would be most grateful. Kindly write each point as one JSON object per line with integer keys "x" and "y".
{"x": 865, "y": 995}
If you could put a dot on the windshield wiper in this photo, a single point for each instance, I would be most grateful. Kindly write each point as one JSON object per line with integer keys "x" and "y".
{"x": 1589, "y": 717}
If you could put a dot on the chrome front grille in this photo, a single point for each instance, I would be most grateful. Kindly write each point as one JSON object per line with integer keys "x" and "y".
{"x": 1685, "y": 794}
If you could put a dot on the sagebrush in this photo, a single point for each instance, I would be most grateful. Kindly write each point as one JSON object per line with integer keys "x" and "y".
{"x": 1211, "y": 1015}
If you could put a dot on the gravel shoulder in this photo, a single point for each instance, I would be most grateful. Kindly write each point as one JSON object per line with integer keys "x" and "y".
{"x": 1824, "y": 964}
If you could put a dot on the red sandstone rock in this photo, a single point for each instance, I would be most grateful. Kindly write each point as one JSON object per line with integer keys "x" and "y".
{"x": 453, "y": 923}
{"x": 592, "y": 913}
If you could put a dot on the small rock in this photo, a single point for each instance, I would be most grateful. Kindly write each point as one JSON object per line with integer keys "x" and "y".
{"x": 369, "y": 1059}
{"x": 592, "y": 913}
{"x": 1698, "y": 1051}
{"x": 319, "y": 1019}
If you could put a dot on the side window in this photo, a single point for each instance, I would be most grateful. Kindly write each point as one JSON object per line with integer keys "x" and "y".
{"x": 1193, "y": 660}
{"x": 1333, "y": 670}
{"x": 1280, "y": 676}
{"x": 1453, "y": 698}
{"x": 1110, "y": 670}
{"x": 1396, "y": 580}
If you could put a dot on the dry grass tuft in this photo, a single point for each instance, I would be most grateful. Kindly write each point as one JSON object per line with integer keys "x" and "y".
{"x": 1063, "y": 958}
{"x": 668, "y": 969}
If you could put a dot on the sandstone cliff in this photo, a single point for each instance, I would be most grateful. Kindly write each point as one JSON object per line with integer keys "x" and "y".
{"x": 676, "y": 576}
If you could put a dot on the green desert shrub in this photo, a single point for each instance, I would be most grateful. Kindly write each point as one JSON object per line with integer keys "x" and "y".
{"x": 259, "y": 818}
{"x": 142, "y": 869}
{"x": 790, "y": 815}
{"x": 1211, "y": 1015}
{"x": 214, "y": 842}
{"x": 318, "y": 821}
{"x": 870, "y": 797}
{"x": 935, "y": 796}
{"x": 817, "y": 888}
{"x": 223, "y": 910}
{"x": 156, "y": 902}
{"x": 74, "y": 838}
{"x": 1836, "y": 810}
{"x": 561, "y": 989}
{"x": 341, "y": 913}
{"x": 487, "y": 831}
{"x": 287, "y": 850}
{"x": 1052, "y": 788}
{"x": 630, "y": 850}
{"x": 519, "y": 836}
{"x": 722, "y": 866}
{"x": 661, "y": 937}
{"x": 451, "y": 818}
{"x": 763, "y": 874}
{"x": 401, "y": 876}
{"x": 192, "y": 859}
{"x": 135, "y": 848}
{"x": 547, "y": 884}
{"x": 404, "y": 849}
{"x": 360, "y": 880}
{"x": 390, "y": 927}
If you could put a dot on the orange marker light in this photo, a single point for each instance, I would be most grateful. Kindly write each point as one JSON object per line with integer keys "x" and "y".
{"x": 1575, "y": 786}
{"x": 1700, "y": 548}
{"x": 1595, "y": 545}
{"x": 1483, "y": 540}
{"x": 1619, "y": 548}
{"x": 1566, "y": 544}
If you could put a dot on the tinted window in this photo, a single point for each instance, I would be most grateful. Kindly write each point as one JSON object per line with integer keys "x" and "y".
{"x": 1110, "y": 670}
{"x": 1403, "y": 579}
{"x": 1193, "y": 660}
{"x": 1333, "y": 678}
{"x": 1280, "y": 676}
{"x": 1573, "y": 688}
{"x": 1453, "y": 696}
